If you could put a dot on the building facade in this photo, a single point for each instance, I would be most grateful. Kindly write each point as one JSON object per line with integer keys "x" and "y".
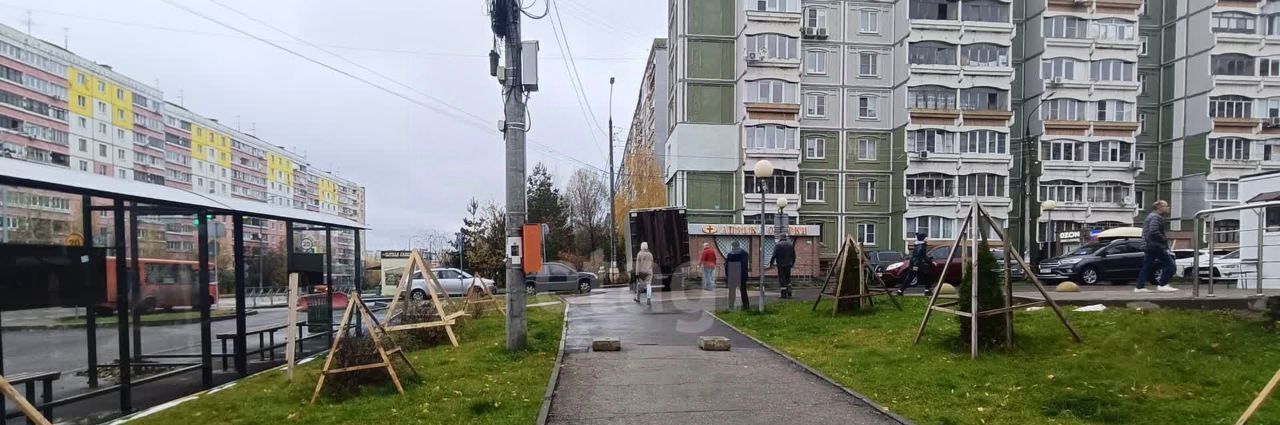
{"x": 64, "y": 110}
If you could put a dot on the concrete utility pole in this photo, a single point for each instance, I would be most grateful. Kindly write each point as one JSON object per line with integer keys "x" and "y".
{"x": 613, "y": 245}
{"x": 517, "y": 326}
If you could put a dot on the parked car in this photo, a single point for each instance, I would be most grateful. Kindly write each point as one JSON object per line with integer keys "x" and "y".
{"x": 560, "y": 277}
{"x": 454, "y": 282}
{"x": 1226, "y": 267}
{"x": 1183, "y": 259}
{"x": 894, "y": 273}
{"x": 1115, "y": 261}
{"x": 882, "y": 259}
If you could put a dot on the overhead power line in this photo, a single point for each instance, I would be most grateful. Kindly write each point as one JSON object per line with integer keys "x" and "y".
{"x": 580, "y": 95}
{"x": 453, "y": 111}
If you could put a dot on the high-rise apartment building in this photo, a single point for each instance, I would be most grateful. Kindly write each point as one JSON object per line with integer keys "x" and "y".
{"x": 61, "y": 109}
{"x": 883, "y": 119}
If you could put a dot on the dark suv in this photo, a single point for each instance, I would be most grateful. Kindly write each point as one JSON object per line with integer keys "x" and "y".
{"x": 1117, "y": 261}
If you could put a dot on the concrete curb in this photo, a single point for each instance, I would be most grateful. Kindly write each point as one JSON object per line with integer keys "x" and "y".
{"x": 815, "y": 372}
{"x": 144, "y": 323}
{"x": 555, "y": 370}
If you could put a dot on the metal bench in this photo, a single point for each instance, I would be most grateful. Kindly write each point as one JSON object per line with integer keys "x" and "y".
{"x": 265, "y": 334}
{"x": 29, "y": 380}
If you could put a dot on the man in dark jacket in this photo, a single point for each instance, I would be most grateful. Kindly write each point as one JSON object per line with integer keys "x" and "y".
{"x": 1157, "y": 249}
{"x": 784, "y": 256}
{"x": 740, "y": 260}
{"x": 917, "y": 266}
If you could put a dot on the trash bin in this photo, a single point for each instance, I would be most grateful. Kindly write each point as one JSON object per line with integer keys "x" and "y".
{"x": 319, "y": 314}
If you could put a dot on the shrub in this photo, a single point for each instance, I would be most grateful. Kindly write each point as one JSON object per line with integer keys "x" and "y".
{"x": 991, "y": 329}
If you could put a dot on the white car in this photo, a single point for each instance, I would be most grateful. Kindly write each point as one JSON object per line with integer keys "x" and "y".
{"x": 1226, "y": 267}
{"x": 1183, "y": 259}
{"x": 455, "y": 283}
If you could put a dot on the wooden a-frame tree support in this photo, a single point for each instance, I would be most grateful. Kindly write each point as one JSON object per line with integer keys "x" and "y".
{"x": 1257, "y": 401}
{"x": 447, "y": 313}
{"x": 970, "y": 233}
{"x": 25, "y": 406}
{"x": 369, "y": 323}
{"x": 478, "y": 295}
{"x": 860, "y": 290}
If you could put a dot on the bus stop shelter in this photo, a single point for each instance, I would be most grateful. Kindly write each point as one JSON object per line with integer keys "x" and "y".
{"x": 125, "y": 201}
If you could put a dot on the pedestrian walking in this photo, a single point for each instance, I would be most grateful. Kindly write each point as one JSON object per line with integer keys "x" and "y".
{"x": 917, "y": 264}
{"x": 644, "y": 273}
{"x": 1157, "y": 249}
{"x": 740, "y": 260}
{"x": 784, "y": 256}
{"x": 708, "y": 262}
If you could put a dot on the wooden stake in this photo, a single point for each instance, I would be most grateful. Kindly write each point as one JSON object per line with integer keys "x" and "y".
{"x": 25, "y": 406}
{"x": 370, "y": 324}
{"x": 333, "y": 349}
{"x": 1257, "y": 402}
{"x": 434, "y": 291}
{"x": 291, "y": 329}
{"x": 1035, "y": 281}
{"x": 973, "y": 282}
{"x": 826, "y": 281}
{"x": 937, "y": 289}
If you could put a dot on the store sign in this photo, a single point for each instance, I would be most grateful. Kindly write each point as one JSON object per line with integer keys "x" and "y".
{"x": 1068, "y": 235}
{"x": 395, "y": 254}
{"x": 751, "y": 230}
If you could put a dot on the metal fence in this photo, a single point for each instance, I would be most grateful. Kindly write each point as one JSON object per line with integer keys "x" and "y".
{"x": 1205, "y": 221}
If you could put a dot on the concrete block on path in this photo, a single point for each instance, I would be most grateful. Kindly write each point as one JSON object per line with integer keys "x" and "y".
{"x": 713, "y": 343}
{"x": 606, "y": 344}
{"x": 947, "y": 289}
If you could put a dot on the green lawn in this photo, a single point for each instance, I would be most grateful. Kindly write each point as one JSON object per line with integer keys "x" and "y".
{"x": 477, "y": 382}
{"x": 1135, "y": 367}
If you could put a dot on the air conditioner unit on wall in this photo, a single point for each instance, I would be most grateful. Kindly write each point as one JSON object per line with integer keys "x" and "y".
{"x": 752, "y": 56}
{"x": 808, "y": 31}
{"x": 1273, "y": 122}
{"x": 821, "y": 33}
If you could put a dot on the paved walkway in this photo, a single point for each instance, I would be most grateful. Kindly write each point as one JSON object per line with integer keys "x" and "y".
{"x": 661, "y": 377}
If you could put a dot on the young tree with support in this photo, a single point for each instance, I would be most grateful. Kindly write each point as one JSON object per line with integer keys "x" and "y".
{"x": 446, "y": 313}
{"x": 854, "y": 274}
{"x": 365, "y": 323}
{"x": 970, "y": 233}
{"x": 479, "y": 296}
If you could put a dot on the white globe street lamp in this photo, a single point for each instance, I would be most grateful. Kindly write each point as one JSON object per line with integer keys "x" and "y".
{"x": 763, "y": 169}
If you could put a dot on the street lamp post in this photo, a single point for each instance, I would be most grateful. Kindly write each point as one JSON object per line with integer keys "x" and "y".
{"x": 1027, "y": 185}
{"x": 763, "y": 170}
{"x": 1048, "y": 207}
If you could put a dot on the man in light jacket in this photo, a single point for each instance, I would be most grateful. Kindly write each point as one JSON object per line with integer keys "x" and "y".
{"x": 644, "y": 273}
{"x": 1157, "y": 249}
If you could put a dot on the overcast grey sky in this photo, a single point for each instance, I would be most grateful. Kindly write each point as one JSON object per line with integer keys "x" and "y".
{"x": 420, "y": 166}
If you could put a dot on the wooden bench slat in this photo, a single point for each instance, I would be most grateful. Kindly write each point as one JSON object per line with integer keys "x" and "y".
{"x": 23, "y": 377}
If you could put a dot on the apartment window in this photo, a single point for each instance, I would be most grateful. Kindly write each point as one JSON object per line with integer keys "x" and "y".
{"x": 815, "y": 62}
{"x": 84, "y": 165}
{"x": 1229, "y": 149}
{"x": 1142, "y": 122}
{"x": 1225, "y": 190}
{"x": 1062, "y": 191}
{"x": 1142, "y": 82}
{"x": 102, "y": 107}
{"x": 815, "y": 148}
{"x": 934, "y": 9}
{"x": 83, "y": 145}
{"x": 773, "y": 46}
{"x": 120, "y": 153}
{"x": 1113, "y": 110}
{"x": 1114, "y": 29}
{"x": 985, "y": 11}
{"x": 781, "y": 181}
{"x": 931, "y": 97}
{"x": 1235, "y": 22}
{"x": 814, "y": 191}
{"x": 1269, "y": 67}
{"x": 1273, "y": 23}
{"x": 867, "y": 149}
{"x": 867, "y": 106}
{"x": 982, "y": 184}
{"x": 1233, "y": 64}
{"x": 771, "y": 137}
{"x": 1271, "y": 150}
{"x": 869, "y": 22}
{"x": 120, "y": 135}
{"x": 1061, "y": 150}
{"x": 867, "y": 233}
{"x": 930, "y": 185}
{"x": 792, "y": 6}
{"x": 985, "y": 54}
{"x": 771, "y": 91}
{"x": 1142, "y": 46}
{"x": 1063, "y": 110}
{"x": 931, "y": 53}
{"x": 1230, "y": 107}
{"x": 102, "y": 87}
{"x": 933, "y": 227}
{"x": 931, "y": 140}
{"x": 1065, "y": 27}
{"x": 866, "y": 192}
{"x": 1109, "y": 192}
{"x": 102, "y": 128}
{"x": 81, "y": 101}
{"x": 102, "y": 150}
{"x": 983, "y": 141}
{"x": 868, "y": 64}
{"x": 815, "y": 105}
{"x": 982, "y": 99}
{"x": 816, "y": 17}
{"x": 1111, "y": 70}
{"x": 1064, "y": 68}
{"x": 120, "y": 94}
{"x": 1110, "y": 151}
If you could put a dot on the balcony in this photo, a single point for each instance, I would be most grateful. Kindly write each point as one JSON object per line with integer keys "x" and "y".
{"x": 772, "y": 111}
{"x": 1235, "y": 125}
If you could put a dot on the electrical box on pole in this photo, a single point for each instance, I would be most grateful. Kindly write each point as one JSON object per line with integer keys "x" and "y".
{"x": 532, "y": 235}
{"x": 529, "y": 65}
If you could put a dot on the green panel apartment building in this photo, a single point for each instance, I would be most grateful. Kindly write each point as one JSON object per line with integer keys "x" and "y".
{"x": 886, "y": 118}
